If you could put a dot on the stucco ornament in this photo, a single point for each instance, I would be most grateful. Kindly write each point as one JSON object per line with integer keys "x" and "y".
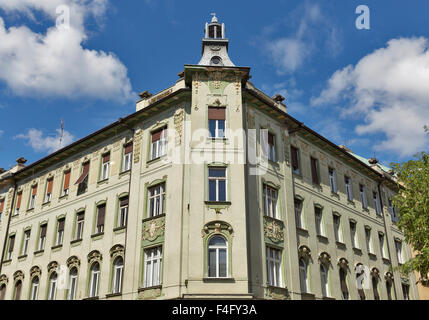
{"x": 179, "y": 116}
{"x": 304, "y": 252}
{"x": 52, "y": 266}
{"x": 3, "y": 279}
{"x": 72, "y": 262}
{"x": 375, "y": 273}
{"x": 137, "y": 145}
{"x": 343, "y": 263}
{"x": 273, "y": 230}
{"x": 35, "y": 272}
{"x": 325, "y": 258}
{"x": 117, "y": 251}
{"x": 276, "y": 293}
{"x": 94, "y": 256}
{"x": 153, "y": 229}
{"x": 388, "y": 277}
{"x": 18, "y": 275}
{"x": 216, "y": 227}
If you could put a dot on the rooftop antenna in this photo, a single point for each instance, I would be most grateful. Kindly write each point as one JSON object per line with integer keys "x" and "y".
{"x": 61, "y": 133}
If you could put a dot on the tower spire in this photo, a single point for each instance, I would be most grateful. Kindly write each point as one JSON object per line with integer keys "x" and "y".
{"x": 215, "y": 45}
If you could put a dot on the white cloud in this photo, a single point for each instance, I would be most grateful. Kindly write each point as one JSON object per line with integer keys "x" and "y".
{"x": 1, "y": 133}
{"x": 312, "y": 30}
{"x": 389, "y": 90}
{"x": 55, "y": 63}
{"x": 48, "y": 144}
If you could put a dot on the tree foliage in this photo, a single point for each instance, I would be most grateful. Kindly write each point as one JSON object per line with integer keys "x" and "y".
{"x": 412, "y": 201}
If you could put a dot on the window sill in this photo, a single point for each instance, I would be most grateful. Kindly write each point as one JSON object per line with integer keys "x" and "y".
{"x": 386, "y": 260}
{"x": 30, "y": 210}
{"x": 119, "y": 229}
{"x": 340, "y": 244}
{"x": 22, "y": 258}
{"x": 64, "y": 196}
{"x": 322, "y": 238}
{"x": 357, "y": 251}
{"x": 351, "y": 202}
{"x": 365, "y": 209}
{"x": 154, "y": 217}
{"x": 46, "y": 203}
{"x": 91, "y": 298}
{"x": 217, "y": 139}
{"x": 104, "y": 181}
{"x": 57, "y": 247}
{"x": 39, "y": 252}
{"x": 302, "y": 231}
{"x": 274, "y": 163}
{"x": 335, "y": 195}
{"x": 113, "y": 295}
{"x": 123, "y": 173}
{"x": 297, "y": 174}
{"x": 209, "y": 279}
{"x": 372, "y": 256}
{"x": 149, "y": 288}
{"x": 328, "y": 298}
{"x": 97, "y": 236}
{"x": 8, "y": 261}
{"x": 151, "y": 161}
{"x": 75, "y": 242}
{"x": 308, "y": 296}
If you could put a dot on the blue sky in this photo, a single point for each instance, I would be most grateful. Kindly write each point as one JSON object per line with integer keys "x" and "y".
{"x": 367, "y": 89}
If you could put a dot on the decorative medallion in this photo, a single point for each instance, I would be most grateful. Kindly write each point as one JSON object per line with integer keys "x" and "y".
{"x": 153, "y": 229}
{"x": 273, "y": 230}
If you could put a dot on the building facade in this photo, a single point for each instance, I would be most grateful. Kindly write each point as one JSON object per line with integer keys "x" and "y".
{"x": 209, "y": 190}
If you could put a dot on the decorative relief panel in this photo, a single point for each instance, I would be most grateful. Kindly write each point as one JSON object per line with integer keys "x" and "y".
{"x": 117, "y": 251}
{"x": 72, "y": 262}
{"x": 179, "y": 116}
{"x": 275, "y": 293}
{"x": 137, "y": 145}
{"x": 153, "y": 229}
{"x": 35, "y": 272}
{"x": 18, "y": 275}
{"x": 94, "y": 256}
{"x": 3, "y": 280}
{"x": 273, "y": 230}
{"x": 216, "y": 227}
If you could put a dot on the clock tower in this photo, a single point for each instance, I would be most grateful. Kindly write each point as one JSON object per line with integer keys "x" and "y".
{"x": 215, "y": 45}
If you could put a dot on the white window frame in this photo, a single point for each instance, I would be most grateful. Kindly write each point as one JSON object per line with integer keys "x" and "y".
{"x": 217, "y": 130}
{"x": 399, "y": 253}
{"x": 126, "y": 161}
{"x": 34, "y": 288}
{"x": 52, "y": 286}
{"x": 272, "y": 148}
{"x": 363, "y": 198}
{"x": 349, "y": 188}
{"x": 118, "y": 272}
{"x": 270, "y": 195}
{"x": 332, "y": 179}
{"x": 353, "y": 235}
{"x": 368, "y": 240}
{"x": 298, "y": 213}
{"x": 71, "y": 294}
{"x": 157, "y": 194}
{"x": 337, "y": 228}
{"x": 122, "y": 216}
{"x": 42, "y": 240}
{"x": 105, "y": 168}
{"x": 319, "y": 223}
{"x": 377, "y": 205}
{"x": 218, "y": 249}
{"x": 303, "y": 275}
{"x": 158, "y": 148}
{"x": 153, "y": 261}
{"x": 32, "y": 200}
{"x": 27, "y": 235}
{"x": 60, "y": 233}
{"x": 324, "y": 280}
{"x": 79, "y": 226}
{"x": 217, "y": 179}
{"x": 94, "y": 280}
{"x": 381, "y": 240}
{"x": 274, "y": 267}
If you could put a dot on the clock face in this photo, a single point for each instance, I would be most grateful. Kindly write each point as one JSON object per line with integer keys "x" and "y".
{"x": 216, "y": 60}
{"x": 215, "y": 48}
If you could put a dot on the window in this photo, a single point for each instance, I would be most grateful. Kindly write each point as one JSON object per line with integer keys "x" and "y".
{"x": 217, "y": 184}
{"x": 324, "y": 280}
{"x": 34, "y": 288}
{"x": 10, "y": 249}
{"x": 153, "y": 267}
{"x": 337, "y": 228}
{"x": 343, "y": 284}
{"x": 217, "y": 257}
{"x": 52, "y": 286}
{"x": 128, "y": 155}
{"x": 349, "y": 190}
{"x": 303, "y": 278}
{"x": 2, "y": 291}
{"x": 314, "y": 171}
{"x": 217, "y": 118}
{"x": 48, "y": 195}
{"x": 18, "y": 203}
{"x": 32, "y": 197}
{"x": 398, "y": 245}
{"x": 333, "y": 180}
{"x": 158, "y": 147}
{"x": 353, "y": 234}
{"x": 270, "y": 201}
{"x": 80, "y": 219}
{"x": 392, "y": 211}
{"x": 26, "y": 241}
{"x": 105, "y": 167}
{"x": 157, "y": 200}
{"x": 66, "y": 184}
{"x": 360, "y": 276}
{"x": 362, "y": 192}
{"x": 60, "y": 231}
{"x": 123, "y": 212}
{"x": 1, "y": 207}
{"x": 381, "y": 240}
{"x": 101, "y": 212}
{"x": 71, "y": 294}
{"x": 274, "y": 277}
{"x": 295, "y": 160}
{"x": 375, "y": 288}
{"x": 368, "y": 239}
{"x": 82, "y": 182}
{"x": 18, "y": 288}
{"x": 94, "y": 280}
{"x": 318, "y": 219}
{"x": 271, "y": 147}
{"x": 298, "y": 214}
{"x": 42, "y": 238}
{"x": 389, "y": 290}
{"x": 376, "y": 202}
{"x": 118, "y": 268}
{"x": 406, "y": 291}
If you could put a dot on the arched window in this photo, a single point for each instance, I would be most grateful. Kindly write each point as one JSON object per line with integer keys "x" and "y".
{"x": 217, "y": 257}
{"x": 95, "y": 278}
{"x": 324, "y": 280}
{"x": 375, "y": 288}
{"x": 389, "y": 290}
{"x": 118, "y": 268}
{"x": 2, "y": 291}
{"x": 303, "y": 275}
{"x": 18, "y": 287}
{"x": 34, "y": 288}
{"x": 52, "y": 286}
{"x": 71, "y": 295}
{"x": 343, "y": 283}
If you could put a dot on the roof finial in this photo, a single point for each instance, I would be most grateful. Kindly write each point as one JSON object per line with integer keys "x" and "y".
{"x": 214, "y": 19}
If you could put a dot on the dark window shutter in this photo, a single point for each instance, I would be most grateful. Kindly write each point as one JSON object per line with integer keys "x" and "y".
{"x": 18, "y": 290}
{"x": 101, "y": 214}
{"x": 216, "y": 113}
{"x": 11, "y": 243}
{"x": 66, "y": 180}
{"x": 123, "y": 201}
{"x": 84, "y": 173}
{"x": 80, "y": 216}
{"x": 344, "y": 288}
{"x": 61, "y": 225}
{"x": 294, "y": 153}
{"x": 128, "y": 148}
{"x": 106, "y": 158}
{"x": 18, "y": 201}
{"x": 156, "y": 135}
{"x": 34, "y": 190}
{"x": 43, "y": 231}
{"x": 314, "y": 171}
{"x": 50, "y": 183}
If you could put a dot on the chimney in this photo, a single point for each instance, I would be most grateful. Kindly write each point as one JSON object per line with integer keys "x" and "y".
{"x": 278, "y": 98}
{"x": 21, "y": 161}
{"x": 145, "y": 94}
{"x": 373, "y": 161}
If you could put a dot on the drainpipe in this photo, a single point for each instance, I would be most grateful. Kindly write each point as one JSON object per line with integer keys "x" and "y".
{"x": 8, "y": 225}
{"x": 385, "y": 230}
